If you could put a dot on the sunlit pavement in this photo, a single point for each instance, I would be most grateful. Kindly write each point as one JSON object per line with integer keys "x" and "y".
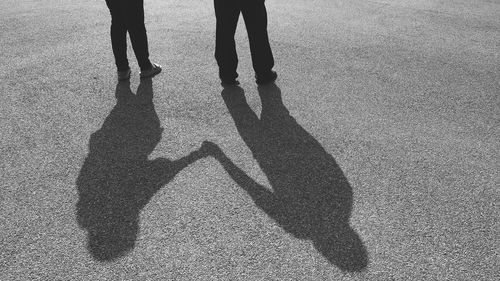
{"x": 403, "y": 95}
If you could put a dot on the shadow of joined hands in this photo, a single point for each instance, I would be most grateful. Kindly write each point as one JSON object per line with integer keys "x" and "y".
{"x": 311, "y": 197}
{"x": 117, "y": 179}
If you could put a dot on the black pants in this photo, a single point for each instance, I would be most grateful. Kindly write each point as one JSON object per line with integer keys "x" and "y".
{"x": 254, "y": 13}
{"x": 128, "y": 16}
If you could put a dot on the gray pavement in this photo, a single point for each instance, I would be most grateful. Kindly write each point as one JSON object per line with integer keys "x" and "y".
{"x": 400, "y": 98}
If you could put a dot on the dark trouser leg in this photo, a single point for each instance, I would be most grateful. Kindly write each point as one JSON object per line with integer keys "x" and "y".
{"x": 118, "y": 34}
{"x": 226, "y": 13}
{"x": 255, "y": 16}
{"x": 137, "y": 31}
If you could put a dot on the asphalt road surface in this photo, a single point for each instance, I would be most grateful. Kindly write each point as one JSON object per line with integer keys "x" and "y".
{"x": 374, "y": 157}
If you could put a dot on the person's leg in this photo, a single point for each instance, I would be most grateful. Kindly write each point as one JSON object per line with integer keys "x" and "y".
{"x": 118, "y": 34}
{"x": 226, "y": 13}
{"x": 255, "y": 16}
{"x": 137, "y": 31}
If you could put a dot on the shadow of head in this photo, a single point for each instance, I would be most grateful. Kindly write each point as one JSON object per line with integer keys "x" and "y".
{"x": 113, "y": 238}
{"x": 343, "y": 247}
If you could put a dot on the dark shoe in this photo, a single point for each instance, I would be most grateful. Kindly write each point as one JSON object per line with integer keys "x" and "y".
{"x": 228, "y": 78}
{"x": 124, "y": 75}
{"x": 262, "y": 79}
{"x": 152, "y": 72}
{"x": 228, "y": 83}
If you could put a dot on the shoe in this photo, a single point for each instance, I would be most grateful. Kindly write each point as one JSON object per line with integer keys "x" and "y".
{"x": 228, "y": 83}
{"x": 152, "y": 72}
{"x": 124, "y": 75}
{"x": 262, "y": 79}
{"x": 228, "y": 78}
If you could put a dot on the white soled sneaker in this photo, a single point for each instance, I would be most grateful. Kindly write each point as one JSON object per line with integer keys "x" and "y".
{"x": 153, "y": 71}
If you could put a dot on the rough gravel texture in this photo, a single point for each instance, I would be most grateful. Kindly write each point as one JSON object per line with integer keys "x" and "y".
{"x": 391, "y": 105}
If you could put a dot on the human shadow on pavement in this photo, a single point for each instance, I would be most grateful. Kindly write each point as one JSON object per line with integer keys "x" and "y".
{"x": 310, "y": 198}
{"x": 117, "y": 180}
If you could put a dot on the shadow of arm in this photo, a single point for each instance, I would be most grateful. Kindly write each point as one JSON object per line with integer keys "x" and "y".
{"x": 162, "y": 170}
{"x": 263, "y": 198}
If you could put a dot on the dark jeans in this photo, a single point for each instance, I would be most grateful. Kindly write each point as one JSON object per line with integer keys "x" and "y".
{"x": 128, "y": 16}
{"x": 254, "y": 13}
